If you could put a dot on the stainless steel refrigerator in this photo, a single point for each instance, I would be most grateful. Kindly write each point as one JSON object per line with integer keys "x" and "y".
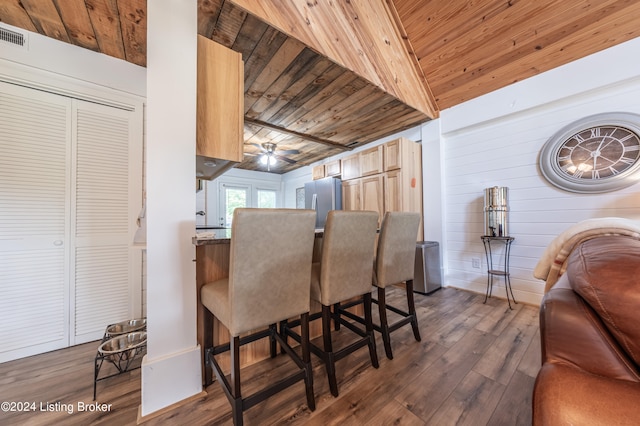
{"x": 323, "y": 195}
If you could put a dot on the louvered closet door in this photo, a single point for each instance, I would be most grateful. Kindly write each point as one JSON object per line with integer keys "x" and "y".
{"x": 34, "y": 217}
{"x": 101, "y": 286}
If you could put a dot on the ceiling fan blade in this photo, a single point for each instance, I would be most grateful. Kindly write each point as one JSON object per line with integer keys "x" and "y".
{"x": 288, "y": 151}
{"x": 258, "y": 146}
{"x": 285, "y": 159}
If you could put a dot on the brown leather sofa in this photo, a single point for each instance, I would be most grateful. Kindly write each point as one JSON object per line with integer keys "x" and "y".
{"x": 590, "y": 335}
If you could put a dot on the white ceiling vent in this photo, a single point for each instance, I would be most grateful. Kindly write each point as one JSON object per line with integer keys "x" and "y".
{"x": 13, "y": 38}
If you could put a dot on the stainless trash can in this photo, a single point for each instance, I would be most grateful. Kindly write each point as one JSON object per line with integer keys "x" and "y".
{"x": 427, "y": 276}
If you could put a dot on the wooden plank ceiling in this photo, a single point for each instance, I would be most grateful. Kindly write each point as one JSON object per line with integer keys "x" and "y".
{"x": 324, "y": 77}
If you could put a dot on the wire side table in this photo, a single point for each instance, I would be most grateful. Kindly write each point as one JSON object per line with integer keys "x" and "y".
{"x": 491, "y": 272}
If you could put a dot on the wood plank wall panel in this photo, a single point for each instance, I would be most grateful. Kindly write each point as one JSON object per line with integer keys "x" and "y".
{"x": 361, "y": 36}
{"x": 504, "y": 152}
{"x": 468, "y": 49}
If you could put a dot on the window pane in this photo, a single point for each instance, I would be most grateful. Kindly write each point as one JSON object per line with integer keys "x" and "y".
{"x": 266, "y": 199}
{"x": 234, "y": 198}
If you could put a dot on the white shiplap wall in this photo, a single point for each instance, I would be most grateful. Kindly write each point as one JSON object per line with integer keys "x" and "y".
{"x": 495, "y": 141}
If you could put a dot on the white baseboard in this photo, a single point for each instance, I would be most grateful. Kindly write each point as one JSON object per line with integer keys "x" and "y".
{"x": 170, "y": 379}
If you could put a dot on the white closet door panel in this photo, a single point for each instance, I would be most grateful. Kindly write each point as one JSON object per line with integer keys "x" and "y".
{"x": 102, "y": 289}
{"x": 102, "y": 191}
{"x": 33, "y": 303}
{"x": 102, "y": 292}
{"x": 34, "y": 128}
{"x": 34, "y": 218}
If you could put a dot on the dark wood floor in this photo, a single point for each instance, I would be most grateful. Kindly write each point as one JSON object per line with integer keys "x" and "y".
{"x": 476, "y": 365}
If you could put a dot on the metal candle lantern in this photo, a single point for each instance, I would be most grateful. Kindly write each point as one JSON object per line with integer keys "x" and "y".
{"x": 495, "y": 211}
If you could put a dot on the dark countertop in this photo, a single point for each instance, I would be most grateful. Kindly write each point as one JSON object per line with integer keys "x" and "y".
{"x": 223, "y": 236}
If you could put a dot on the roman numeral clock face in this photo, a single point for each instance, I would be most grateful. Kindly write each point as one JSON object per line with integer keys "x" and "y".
{"x": 597, "y": 154}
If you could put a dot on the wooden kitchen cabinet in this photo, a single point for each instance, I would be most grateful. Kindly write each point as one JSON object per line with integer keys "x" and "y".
{"x": 373, "y": 195}
{"x": 392, "y": 155}
{"x": 393, "y": 191}
{"x": 351, "y": 167}
{"x": 351, "y": 194}
{"x": 220, "y": 102}
{"x": 332, "y": 168}
{"x": 403, "y": 182}
{"x": 399, "y": 188}
{"x": 371, "y": 161}
{"x": 364, "y": 194}
{"x": 318, "y": 172}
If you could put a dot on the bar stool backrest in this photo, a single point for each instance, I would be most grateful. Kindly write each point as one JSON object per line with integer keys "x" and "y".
{"x": 396, "y": 248}
{"x": 347, "y": 255}
{"x": 270, "y": 266}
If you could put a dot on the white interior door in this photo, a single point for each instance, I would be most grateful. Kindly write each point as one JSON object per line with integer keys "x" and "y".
{"x": 34, "y": 221}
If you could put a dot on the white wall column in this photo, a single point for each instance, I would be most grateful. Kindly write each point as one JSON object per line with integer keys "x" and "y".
{"x": 171, "y": 368}
{"x": 432, "y": 187}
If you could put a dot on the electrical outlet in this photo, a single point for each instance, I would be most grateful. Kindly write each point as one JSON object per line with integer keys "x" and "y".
{"x": 475, "y": 262}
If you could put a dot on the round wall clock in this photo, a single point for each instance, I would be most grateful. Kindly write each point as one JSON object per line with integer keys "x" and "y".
{"x": 598, "y": 153}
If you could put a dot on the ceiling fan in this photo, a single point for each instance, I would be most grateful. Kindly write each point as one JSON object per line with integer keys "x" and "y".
{"x": 270, "y": 154}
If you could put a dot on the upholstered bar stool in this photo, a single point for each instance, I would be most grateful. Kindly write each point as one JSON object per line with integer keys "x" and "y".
{"x": 269, "y": 275}
{"x": 344, "y": 272}
{"x": 394, "y": 264}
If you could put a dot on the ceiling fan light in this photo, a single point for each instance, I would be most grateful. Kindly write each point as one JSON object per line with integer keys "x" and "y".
{"x": 268, "y": 159}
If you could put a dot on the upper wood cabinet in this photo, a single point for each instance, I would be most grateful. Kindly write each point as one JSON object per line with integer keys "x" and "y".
{"x": 392, "y": 155}
{"x": 329, "y": 169}
{"x": 332, "y": 168}
{"x": 318, "y": 172}
{"x": 351, "y": 167}
{"x": 220, "y": 102}
{"x": 371, "y": 161}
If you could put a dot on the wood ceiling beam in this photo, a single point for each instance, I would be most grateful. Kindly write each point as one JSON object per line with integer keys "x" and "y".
{"x": 296, "y": 134}
{"x": 360, "y": 36}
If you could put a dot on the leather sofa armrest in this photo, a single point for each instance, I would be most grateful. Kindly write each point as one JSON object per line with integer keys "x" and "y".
{"x": 566, "y": 395}
{"x": 572, "y": 333}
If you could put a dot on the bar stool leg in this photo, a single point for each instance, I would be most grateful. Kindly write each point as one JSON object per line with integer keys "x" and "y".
{"x": 369, "y": 327}
{"x": 208, "y": 339}
{"x": 306, "y": 358}
{"x": 329, "y": 361}
{"x": 284, "y": 335}
{"x": 235, "y": 382}
{"x": 336, "y": 316}
{"x": 412, "y": 310}
{"x": 384, "y": 324}
{"x": 273, "y": 347}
